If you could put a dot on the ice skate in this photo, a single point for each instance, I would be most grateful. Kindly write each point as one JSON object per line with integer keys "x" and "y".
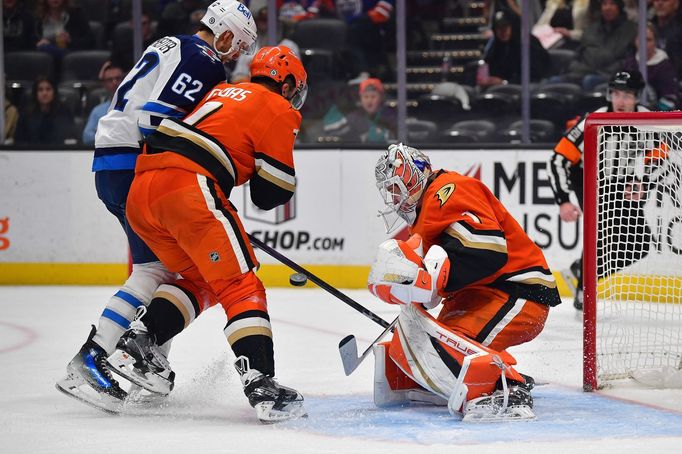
{"x": 518, "y": 406}
{"x": 272, "y": 401}
{"x": 90, "y": 381}
{"x": 142, "y": 362}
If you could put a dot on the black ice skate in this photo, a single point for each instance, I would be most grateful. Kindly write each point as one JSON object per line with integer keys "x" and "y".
{"x": 272, "y": 401}
{"x": 90, "y": 381}
{"x": 138, "y": 359}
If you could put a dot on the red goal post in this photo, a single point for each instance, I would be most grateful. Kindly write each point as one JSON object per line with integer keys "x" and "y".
{"x": 632, "y": 320}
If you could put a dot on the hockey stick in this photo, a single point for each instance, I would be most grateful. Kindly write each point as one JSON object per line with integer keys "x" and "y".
{"x": 348, "y": 349}
{"x": 320, "y": 283}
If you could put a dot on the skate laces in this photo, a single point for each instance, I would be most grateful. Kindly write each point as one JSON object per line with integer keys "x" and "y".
{"x": 246, "y": 374}
{"x": 137, "y": 324}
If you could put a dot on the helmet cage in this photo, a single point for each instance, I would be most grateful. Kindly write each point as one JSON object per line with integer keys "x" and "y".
{"x": 401, "y": 177}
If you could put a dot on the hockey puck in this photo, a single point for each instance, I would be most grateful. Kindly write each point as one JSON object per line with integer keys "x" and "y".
{"x": 298, "y": 279}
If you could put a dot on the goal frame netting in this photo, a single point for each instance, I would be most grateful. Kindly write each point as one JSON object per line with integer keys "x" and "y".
{"x": 594, "y": 122}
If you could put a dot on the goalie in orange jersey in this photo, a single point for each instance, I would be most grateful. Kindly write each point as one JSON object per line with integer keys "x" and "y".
{"x": 179, "y": 205}
{"x": 492, "y": 280}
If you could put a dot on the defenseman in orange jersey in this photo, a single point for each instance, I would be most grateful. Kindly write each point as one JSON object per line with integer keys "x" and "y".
{"x": 179, "y": 205}
{"x": 492, "y": 280}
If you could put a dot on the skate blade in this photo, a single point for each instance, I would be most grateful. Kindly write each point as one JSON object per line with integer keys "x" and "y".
{"x": 516, "y": 413}
{"x": 81, "y": 391}
{"x": 123, "y": 365}
{"x": 267, "y": 415}
{"x": 139, "y": 397}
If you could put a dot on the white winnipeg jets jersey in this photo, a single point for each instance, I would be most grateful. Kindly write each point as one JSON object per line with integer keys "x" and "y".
{"x": 169, "y": 80}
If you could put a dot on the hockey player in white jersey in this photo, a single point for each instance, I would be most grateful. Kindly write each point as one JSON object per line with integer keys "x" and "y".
{"x": 169, "y": 80}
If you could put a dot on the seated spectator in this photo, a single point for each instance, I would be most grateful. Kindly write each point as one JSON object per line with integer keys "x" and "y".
{"x": 11, "y": 119}
{"x": 604, "y": 45}
{"x": 568, "y": 18}
{"x": 241, "y": 71}
{"x": 661, "y": 77}
{"x": 45, "y": 121}
{"x": 503, "y": 56}
{"x": 61, "y": 28}
{"x": 19, "y": 26}
{"x": 111, "y": 76}
{"x": 372, "y": 122}
{"x": 122, "y": 46}
{"x": 667, "y": 21}
{"x": 367, "y": 28}
{"x": 182, "y": 17}
{"x": 296, "y": 10}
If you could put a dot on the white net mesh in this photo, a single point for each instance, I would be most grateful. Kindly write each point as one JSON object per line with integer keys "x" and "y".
{"x": 639, "y": 253}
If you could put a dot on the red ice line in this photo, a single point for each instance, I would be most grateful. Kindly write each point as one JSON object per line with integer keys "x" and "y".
{"x": 29, "y": 334}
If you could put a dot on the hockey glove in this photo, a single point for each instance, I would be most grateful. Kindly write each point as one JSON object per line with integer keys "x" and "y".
{"x": 399, "y": 275}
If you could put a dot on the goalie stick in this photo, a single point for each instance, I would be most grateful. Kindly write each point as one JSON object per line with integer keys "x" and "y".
{"x": 320, "y": 283}
{"x": 348, "y": 349}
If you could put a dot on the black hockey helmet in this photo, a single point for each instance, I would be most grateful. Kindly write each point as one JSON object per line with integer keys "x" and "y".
{"x": 627, "y": 81}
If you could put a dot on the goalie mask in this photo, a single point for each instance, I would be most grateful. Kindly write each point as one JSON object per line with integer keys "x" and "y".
{"x": 401, "y": 176}
{"x": 231, "y": 16}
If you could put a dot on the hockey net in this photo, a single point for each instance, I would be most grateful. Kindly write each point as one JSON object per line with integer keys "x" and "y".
{"x": 633, "y": 249}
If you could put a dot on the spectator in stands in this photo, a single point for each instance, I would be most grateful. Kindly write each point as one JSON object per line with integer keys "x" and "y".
{"x": 45, "y": 121}
{"x": 367, "y": 29}
{"x": 61, "y": 28}
{"x": 182, "y": 17}
{"x": 11, "y": 119}
{"x": 568, "y": 18}
{"x": 504, "y": 55}
{"x": 604, "y": 45}
{"x": 296, "y": 10}
{"x": 19, "y": 26}
{"x": 122, "y": 43}
{"x": 372, "y": 122}
{"x": 667, "y": 21}
{"x": 241, "y": 71}
{"x": 111, "y": 76}
{"x": 661, "y": 76}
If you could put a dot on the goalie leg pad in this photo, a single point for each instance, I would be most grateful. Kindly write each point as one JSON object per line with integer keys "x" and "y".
{"x": 434, "y": 357}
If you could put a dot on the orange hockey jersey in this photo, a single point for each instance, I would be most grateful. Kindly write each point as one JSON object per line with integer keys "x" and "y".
{"x": 485, "y": 244}
{"x": 237, "y": 133}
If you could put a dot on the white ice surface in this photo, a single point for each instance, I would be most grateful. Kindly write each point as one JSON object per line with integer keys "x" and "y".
{"x": 41, "y": 328}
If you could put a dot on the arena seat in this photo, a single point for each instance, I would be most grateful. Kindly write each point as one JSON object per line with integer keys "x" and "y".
{"x": 541, "y": 131}
{"x": 28, "y": 65}
{"x": 83, "y": 65}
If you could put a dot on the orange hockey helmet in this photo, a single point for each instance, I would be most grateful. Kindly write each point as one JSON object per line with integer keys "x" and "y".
{"x": 277, "y": 63}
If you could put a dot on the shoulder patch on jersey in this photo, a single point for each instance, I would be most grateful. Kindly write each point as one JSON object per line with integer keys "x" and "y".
{"x": 444, "y": 193}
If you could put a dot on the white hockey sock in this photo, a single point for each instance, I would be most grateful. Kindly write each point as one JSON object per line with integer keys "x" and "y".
{"x": 120, "y": 311}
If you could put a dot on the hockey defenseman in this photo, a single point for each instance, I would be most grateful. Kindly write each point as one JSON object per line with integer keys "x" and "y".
{"x": 179, "y": 205}
{"x": 491, "y": 279}
{"x": 168, "y": 81}
{"x": 565, "y": 168}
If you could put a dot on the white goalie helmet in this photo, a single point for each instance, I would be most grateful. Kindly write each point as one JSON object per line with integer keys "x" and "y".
{"x": 401, "y": 174}
{"x": 230, "y": 15}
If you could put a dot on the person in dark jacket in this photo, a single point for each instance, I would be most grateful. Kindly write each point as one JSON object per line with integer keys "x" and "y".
{"x": 19, "y": 26}
{"x": 504, "y": 54}
{"x": 46, "y": 121}
{"x": 662, "y": 89}
{"x": 604, "y": 45}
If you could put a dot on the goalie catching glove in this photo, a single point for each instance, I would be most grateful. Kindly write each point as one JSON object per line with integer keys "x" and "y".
{"x": 401, "y": 274}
